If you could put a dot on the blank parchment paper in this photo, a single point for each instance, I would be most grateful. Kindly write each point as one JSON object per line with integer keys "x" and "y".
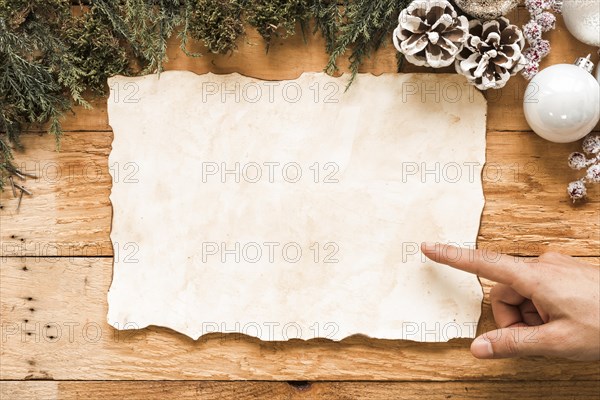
{"x": 293, "y": 209}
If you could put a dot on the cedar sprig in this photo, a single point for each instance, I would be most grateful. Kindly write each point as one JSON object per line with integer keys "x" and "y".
{"x": 327, "y": 17}
{"x": 216, "y": 23}
{"x": 277, "y": 18}
{"x": 36, "y": 84}
{"x": 366, "y": 27}
{"x": 143, "y": 26}
{"x": 50, "y": 57}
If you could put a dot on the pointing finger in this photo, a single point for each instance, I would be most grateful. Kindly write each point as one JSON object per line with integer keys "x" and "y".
{"x": 497, "y": 267}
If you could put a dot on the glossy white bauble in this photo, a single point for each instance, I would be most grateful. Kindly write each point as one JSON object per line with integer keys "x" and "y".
{"x": 562, "y": 103}
{"x": 582, "y": 18}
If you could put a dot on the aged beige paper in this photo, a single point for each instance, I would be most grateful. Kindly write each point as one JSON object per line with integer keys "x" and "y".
{"x": 293, "y": 209}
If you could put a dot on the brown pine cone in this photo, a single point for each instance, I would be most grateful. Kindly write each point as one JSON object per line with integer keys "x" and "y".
{"x": 430, "y": 33}
{"x": 491, "y": 54}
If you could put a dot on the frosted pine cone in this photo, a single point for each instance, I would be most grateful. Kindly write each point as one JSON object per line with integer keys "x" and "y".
{"x": 430, "y": 33}
{"x": 492, "y": 53}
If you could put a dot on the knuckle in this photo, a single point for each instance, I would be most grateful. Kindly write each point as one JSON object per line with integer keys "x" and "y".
{"x": 496, "y": 291}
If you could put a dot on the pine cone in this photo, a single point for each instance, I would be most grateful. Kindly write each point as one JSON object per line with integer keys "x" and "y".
{"x": 492, "y": 53}
{"x": 430, "y": 33}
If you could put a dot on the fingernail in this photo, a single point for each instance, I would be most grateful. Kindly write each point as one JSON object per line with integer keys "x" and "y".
{"x": 429, "y": 246}
{"x": 482, "y": 348}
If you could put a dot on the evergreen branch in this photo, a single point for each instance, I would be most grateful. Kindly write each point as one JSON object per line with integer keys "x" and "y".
{"x": 327, "y": 18}
{"x": 50, "y": 56}
{"x": 366, "y": 26}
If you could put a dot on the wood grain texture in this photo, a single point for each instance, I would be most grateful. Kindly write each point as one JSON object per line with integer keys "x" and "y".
{"x": 53, "y": 309}
{"x": 69, "y": 213}
{"x": 527, "y": 210}
{"x": 537, "y": 390}
{"x": 53, "y": 318}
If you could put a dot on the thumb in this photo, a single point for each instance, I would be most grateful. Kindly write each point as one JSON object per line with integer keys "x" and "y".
{"x": 514, "y": 341}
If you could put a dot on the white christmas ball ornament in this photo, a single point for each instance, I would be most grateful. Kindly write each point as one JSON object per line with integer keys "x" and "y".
{"x": 582, "y": 18}
{"x": 562, "y": 102}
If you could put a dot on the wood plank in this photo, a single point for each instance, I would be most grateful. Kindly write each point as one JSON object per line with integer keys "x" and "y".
{"x": 288, "y": 58}
{"x": 66, "y": 390}
{"x": 53, "y": 319}
{"x": 526, "y": 213}
{"x": 527, "y": 210}
{"x": 69, "y": 212}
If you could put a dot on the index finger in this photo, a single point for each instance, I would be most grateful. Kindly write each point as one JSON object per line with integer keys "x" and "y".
{"x": 494, "y": 266}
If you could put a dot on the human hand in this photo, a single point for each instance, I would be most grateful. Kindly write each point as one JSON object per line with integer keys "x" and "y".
{"x": 548, "y": 306}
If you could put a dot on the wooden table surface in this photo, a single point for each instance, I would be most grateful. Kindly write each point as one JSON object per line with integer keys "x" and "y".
{"x": 56, "y": 267}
